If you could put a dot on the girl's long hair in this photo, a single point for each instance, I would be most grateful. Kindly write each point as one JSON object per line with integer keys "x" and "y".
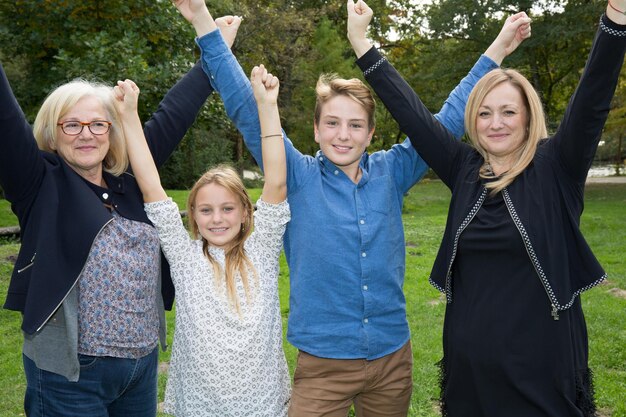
{"x": 236, "y": 260}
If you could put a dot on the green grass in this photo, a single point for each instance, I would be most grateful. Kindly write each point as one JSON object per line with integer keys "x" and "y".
{"x": 12, "y": 380}
{"x": 7, "y": 218}
{"x": 603, "y": 223}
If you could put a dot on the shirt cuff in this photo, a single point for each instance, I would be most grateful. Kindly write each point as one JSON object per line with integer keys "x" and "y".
{"x": 368, "y": 61}
{"x": 212, "y": 44}
{"x": 612, "y": 28}
{"x": 484, "y": 65}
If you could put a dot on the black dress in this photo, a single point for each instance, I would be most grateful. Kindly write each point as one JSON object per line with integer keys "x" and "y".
{"x": 504, "y": 354}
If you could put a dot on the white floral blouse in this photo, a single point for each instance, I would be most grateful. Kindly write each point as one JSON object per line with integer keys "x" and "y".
{"x": 224, "y": 363}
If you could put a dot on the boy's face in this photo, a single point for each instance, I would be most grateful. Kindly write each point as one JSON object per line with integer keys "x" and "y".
{"x": 343, "y": 133}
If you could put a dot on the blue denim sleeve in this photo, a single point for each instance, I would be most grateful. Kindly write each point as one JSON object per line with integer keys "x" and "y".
{"x": 408, "y": 165}
{"x": 228, "y": 79}
{"x": 452, "y": 112}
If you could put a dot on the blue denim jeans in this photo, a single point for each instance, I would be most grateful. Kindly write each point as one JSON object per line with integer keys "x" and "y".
{"x": 107, "y": 387}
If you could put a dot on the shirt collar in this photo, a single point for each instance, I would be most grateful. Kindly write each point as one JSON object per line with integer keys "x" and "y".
{"x": 333, "y": 169}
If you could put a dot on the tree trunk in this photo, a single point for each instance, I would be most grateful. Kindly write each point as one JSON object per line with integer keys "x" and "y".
{"x": 619, "y": 160}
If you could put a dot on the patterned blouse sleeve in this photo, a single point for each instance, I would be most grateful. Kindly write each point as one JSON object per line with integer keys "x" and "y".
{"x": 175, "y": 241}
{"x": 270, "y": 222}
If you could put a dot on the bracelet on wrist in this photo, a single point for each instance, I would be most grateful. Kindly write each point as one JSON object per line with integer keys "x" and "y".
{"x": 272, "y": 136}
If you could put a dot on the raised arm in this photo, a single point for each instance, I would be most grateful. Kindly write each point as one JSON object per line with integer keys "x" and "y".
{"x": 180, "y": 106}
{"x": 432, "y": 140}
{"x": 126, "y": 94}
{"x": 265, "y": 87}
{"x": 197, "y": 13}
{"x": 516, "y": 28}
{"x": 578, "y": 135}
{"x": 21, "y": 163}
{"x": 226, "y": 75}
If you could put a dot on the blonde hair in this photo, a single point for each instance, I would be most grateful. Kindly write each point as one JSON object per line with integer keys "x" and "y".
{"x": 330, "y": 86}
{"x": 61, "y": 100}
{"x": 535, "y": 128}
{"x": 236, "y": 260}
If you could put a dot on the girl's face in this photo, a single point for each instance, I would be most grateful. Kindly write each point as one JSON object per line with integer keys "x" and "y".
{"x": 219, "y": 215}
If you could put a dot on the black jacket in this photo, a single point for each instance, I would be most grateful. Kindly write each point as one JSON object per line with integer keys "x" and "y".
{"x": 546, "y": 200}
{"x": 60, "y": 215}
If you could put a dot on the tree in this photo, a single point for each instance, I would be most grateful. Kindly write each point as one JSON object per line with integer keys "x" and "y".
{"x": 612, "y": 149}
{"x": 55, "y": 42}
{"x": 455, "y": 32}
{"x": 52, "y": 42}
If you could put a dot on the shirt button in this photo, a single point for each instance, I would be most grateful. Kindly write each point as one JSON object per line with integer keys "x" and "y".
{"x": 365, "y": 287}
{"x": 363, "y": 255}
{"x": 336, "y": 172}
{"x": 365, "y": 321}
{"x": 362, "y": 221}
{"x": 321, "y": 158}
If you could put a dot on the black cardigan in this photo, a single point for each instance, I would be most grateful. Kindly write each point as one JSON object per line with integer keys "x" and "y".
{"x": 60, "y": 215}
{"x": 546, "y": 200}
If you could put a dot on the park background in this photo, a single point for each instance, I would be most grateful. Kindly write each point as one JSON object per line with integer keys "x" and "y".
{"x": 46, "y": 43}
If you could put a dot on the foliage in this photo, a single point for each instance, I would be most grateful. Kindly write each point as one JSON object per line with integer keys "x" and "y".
{"x": 7, "y": 218}
{"x": 97, "y": 40}
{"x": 455, "y": 32}
{"x": 279, "y": 35}
{"x": 12, "y": 380}
{"x": 433, "y": 44}
{"x": 327, "y": 55}
{"x": 105, "y": 41}
{"x": 613, "y": 148}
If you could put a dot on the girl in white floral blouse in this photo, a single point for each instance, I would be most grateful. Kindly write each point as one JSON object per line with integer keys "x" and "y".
{"x": 227, "y": 357}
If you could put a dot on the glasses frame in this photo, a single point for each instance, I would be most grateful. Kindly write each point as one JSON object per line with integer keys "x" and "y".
{"x": 82, "y": 126}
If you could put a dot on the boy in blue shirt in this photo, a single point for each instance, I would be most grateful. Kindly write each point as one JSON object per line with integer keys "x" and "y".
{"x": 345, "y": 242}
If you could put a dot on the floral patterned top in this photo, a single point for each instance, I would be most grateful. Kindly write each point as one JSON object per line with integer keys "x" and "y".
{"x": 224, "y": 363}
{"x": 117, "y": 311}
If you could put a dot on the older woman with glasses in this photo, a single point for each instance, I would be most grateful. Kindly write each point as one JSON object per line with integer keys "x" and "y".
{"x": 90, "y": 279}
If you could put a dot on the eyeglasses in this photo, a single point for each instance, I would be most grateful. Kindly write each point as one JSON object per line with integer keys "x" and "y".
{"x": 97, "y": 127}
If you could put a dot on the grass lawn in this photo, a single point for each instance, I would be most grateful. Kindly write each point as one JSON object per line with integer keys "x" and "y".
{"x": 603, "y": 223}
{"x": 7, "y": 218}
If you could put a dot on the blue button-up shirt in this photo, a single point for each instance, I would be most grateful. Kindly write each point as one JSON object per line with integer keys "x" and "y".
{"x": 345, "y": 242}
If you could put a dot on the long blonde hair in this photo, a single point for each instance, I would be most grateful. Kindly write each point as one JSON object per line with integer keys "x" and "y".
{"x": 61, "y": 100}
{"x": 236, "y": 260}
{"x": 535, "y": 128}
